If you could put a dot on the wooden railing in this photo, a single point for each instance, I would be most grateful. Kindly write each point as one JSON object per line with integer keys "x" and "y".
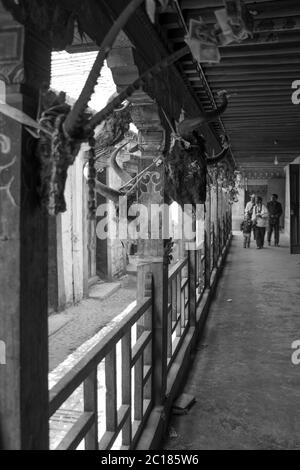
{"x": 125, "y": 375}
{"x": 134, "y": 364}
{"x": 200, "y": 272}
{"x": 178, "y": 308}
{"x": 212, "y": 247}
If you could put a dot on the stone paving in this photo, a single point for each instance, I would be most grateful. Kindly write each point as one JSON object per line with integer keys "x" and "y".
{"x": 243, "y": 379}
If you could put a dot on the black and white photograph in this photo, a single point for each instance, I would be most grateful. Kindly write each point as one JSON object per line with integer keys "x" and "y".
{"x": 149, "y": 228}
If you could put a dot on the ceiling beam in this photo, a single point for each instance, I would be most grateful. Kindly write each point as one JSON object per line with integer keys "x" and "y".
{"x": 252, "y": 4}
{"x": 259, "y": 38}
{"x": 253, "y": 61}
{"x": 219, "y": 77}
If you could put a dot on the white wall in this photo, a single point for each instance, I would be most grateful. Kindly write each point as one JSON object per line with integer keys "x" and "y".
{"x": 72, "y": 238}
{"x": 238, "y": 209}
{"x": 115, "y": 251}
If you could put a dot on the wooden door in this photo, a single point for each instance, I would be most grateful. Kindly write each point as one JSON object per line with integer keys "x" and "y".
{"x": 295, "y": 208}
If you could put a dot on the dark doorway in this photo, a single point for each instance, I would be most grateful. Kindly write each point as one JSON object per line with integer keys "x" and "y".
{"x": 295, "y": 208}
{"x": 101, "y": 245}
{"x": 259, "y": 190}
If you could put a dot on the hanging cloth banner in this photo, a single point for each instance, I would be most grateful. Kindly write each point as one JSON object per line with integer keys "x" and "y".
{"x": 234, "y": 11}
{"x": 235, "y": 21}
{"x": 203, "y": 42}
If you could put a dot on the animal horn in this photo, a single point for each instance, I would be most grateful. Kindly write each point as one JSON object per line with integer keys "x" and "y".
{"x": 188, "y": 125}
{"x": 109, "y": 193}
{"x": 218, "y": 158}
{"x": 123, "y": 105}
{"x": 73, "y": 119}
{"x": 122, "y": 174}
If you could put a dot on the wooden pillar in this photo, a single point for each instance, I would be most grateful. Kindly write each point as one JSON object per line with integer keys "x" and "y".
{"x": 151, "y": 249}
{"x": 23, "y": 248}
{"x": 217, "y": 251}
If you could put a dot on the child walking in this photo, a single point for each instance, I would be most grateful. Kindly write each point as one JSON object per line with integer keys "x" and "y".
{"x": 246, "y": 227}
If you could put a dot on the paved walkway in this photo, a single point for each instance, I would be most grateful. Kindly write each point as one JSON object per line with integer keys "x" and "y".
{"x": 247, "y": 390}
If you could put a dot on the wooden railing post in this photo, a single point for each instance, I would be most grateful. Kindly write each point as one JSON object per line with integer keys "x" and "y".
{"x": 192, "y": 276}
{"x": 158, "y": 269}
{"x": 91, "y": 404}
{"x": 220, "y": 236}
{"x": 144, "y": 289}
{"x": 207, "y": 241}
{"x": 111, "y": 390}
{"x": 126, "y": 387}
{"x": 160, "y": 330}
{"x": 213, "y": 245}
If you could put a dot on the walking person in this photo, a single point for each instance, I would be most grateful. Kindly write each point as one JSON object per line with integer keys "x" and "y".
{"x": 249, "y": 210}
{"x": 250, "y": 205}
{"x": 275, "y": 211}
{"x": 246, "y": 228}
{"x": 260, "y": 220}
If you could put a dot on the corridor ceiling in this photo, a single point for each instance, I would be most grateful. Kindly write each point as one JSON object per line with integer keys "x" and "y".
{"x": 261, "y": 120}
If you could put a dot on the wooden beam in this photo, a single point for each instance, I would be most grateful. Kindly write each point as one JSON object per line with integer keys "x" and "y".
{"x": 265, "y": 76}
{"x": 194, "y": 4}
{"x": 253, "y": 61}
{"x": 265, "y": 10}
{"x": 176, "y": 34}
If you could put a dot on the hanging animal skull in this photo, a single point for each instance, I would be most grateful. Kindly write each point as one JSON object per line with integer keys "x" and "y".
{"x": 187, "y": 161}
{"x": 69, "y": 127}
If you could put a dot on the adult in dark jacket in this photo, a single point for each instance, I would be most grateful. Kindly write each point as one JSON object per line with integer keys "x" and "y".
{"x": 275, "y": 211}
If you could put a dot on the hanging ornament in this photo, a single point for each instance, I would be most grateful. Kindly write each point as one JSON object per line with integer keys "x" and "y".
{"x": 234, "y": 11}
{"x": 226, "y": 36}
{"x": 203, "y": 42}
{"x": 235, "y": 21}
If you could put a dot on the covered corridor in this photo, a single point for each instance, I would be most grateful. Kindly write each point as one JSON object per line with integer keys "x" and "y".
{"x": 152, "y": 185}
{"x": 243, "y": 379}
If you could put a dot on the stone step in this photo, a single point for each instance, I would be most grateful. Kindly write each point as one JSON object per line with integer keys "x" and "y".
{"x": 103, "y": 290}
